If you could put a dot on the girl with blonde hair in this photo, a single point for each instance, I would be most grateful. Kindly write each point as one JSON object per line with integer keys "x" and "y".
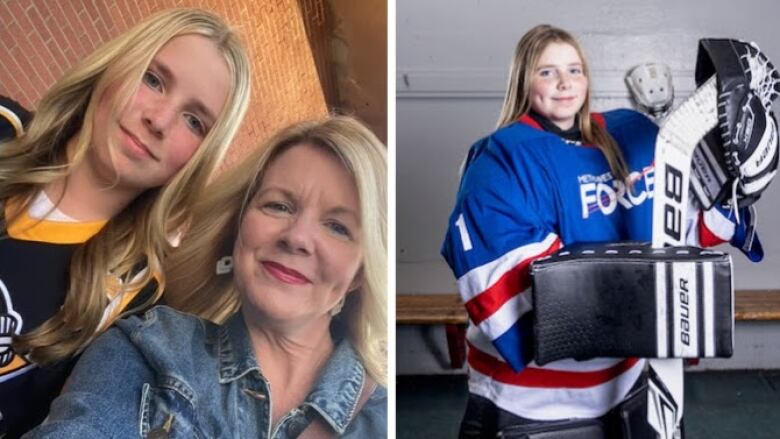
{"x": 287, "y": 253}
{"x": 551, "y": 175}
{"x": 117, "y": 151}
{"x": 518, "y": 97}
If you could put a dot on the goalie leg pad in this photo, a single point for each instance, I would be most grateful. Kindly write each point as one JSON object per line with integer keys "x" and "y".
{"x": 629, "y": 300}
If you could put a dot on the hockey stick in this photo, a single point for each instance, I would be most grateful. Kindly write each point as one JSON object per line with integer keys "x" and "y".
{"x": 676, "y": 142}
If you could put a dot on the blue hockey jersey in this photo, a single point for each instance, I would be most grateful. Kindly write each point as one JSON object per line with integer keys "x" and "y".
{"x": 524, "y": 194}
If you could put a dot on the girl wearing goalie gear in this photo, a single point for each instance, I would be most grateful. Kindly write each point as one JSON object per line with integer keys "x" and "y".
{"x": 105, "y": 172}
{"x": 552, "y": 174}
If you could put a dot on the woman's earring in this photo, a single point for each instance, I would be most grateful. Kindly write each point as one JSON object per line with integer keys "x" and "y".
{"x": 225, "y": 265}
{"x": 337, "y": 309}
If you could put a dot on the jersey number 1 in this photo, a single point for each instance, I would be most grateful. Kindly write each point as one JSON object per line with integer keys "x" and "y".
{"x": 464, "y": 233}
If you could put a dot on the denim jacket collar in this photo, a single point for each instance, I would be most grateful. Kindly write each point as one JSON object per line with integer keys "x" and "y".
{"x": 336, "y": 393}
{"x": 337, "y": 390}
{"x": 234, "y": 350}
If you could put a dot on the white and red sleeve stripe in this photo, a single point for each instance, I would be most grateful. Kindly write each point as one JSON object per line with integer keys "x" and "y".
{"x": 714, "y": 228}
{"x": 492, "y": 292}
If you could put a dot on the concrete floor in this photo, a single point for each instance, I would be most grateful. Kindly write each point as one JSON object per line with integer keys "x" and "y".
{"x": 727, "y": 405}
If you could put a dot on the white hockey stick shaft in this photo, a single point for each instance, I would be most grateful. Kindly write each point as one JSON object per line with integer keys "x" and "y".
{"x": 677, "y": 139}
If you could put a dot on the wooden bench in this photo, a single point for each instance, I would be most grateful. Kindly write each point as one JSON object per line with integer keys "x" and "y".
{"x": 447, "y": 309}
{"x": 437, "y": 309}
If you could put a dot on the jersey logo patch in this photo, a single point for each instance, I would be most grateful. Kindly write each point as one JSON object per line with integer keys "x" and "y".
{"x": 10, "y": 325}
{"x": 603, "y": 193}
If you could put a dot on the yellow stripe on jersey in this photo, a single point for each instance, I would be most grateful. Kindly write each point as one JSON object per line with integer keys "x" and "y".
{"x": 26, "y": 228}
{"x": 15, "y": 365}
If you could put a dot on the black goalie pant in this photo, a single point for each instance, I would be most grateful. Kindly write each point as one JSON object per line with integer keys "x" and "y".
{"x": 483, "y": 419}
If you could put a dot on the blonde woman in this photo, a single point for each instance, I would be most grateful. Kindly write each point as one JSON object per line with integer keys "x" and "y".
{"x": 289, "y": 253}
{"x": 104, "y": 175}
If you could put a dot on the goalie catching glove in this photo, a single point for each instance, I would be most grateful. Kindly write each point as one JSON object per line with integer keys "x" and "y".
{"x": 739, "y": 158}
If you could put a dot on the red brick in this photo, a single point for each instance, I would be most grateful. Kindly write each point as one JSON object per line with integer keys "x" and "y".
{"x": 149, "y": 8}
{"x": 140, "y": 9}
{"x": 91, "y": 33}
{"x": 58, "y": 63}
{"x": 102, "y": 30}
{"x": 11, "y": 73}
{"x": 89, "y": 6}
{"x": 15, "y": 32}
{"x": 6, "y": 13}
{"x": 135, "y": 12}
{"x": 104, "y": 9}
{"x": 28, "y": 51}
{"x": 7, "y": 38}
{"x": 19, "y": 12}
{"x": 70, "y": 56}
{"x": 58, "y": 42}
{"x": 85, "y": 40}
{"x": 41, "y": 51}
{"x": 124, "y": 15}
{"x": 38, "y": 23}
{"x": 70, "y": 26}
{"x": 28, "y": 81}
{"x": 79, "y": 25}
{"x": 42, "y": 69}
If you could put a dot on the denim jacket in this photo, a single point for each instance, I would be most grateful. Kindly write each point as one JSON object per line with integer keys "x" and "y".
{"x": 176, "y": 373}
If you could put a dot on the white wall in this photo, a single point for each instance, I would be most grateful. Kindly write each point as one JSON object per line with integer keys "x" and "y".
{"x": 452, "y": 60}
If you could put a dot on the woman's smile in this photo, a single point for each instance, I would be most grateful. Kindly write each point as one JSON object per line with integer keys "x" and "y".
{"x": 284, "y": 274}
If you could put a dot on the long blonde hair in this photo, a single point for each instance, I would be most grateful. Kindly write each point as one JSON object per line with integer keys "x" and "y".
{"x": 137, "y": 236}
{"x": 192, "y": 284}
{"x": 517, "y": 98}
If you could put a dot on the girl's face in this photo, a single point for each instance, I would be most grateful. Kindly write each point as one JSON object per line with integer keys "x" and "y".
{"x": 559, "y": 86}
{"x": 299, "y": 247}
{"x": 177, "y": 102}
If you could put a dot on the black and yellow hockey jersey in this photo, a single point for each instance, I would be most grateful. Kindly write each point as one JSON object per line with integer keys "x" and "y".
{"x": 34, "y": 261}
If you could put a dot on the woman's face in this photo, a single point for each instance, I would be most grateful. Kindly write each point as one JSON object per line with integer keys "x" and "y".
{"x": 299, "y": 249}
{"x": 559, "y": 86}
{"x": 177, "y": 102}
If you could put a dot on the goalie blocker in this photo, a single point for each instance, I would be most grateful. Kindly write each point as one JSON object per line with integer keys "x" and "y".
{"x": 600, "y": 300}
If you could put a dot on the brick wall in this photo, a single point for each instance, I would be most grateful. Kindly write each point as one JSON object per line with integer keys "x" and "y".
{"x": 317, "y": 23}
{"x": 41, "y": 39}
